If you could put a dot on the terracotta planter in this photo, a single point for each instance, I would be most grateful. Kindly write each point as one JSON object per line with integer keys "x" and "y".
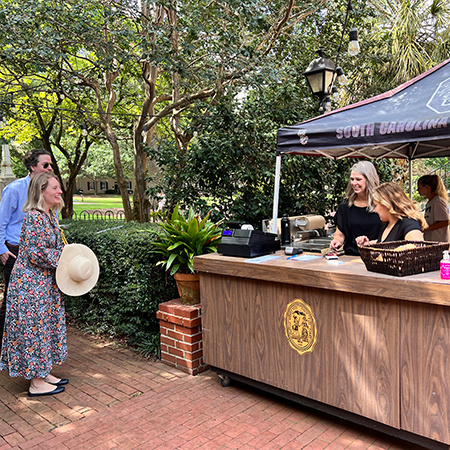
{"x": 188, "y": 287}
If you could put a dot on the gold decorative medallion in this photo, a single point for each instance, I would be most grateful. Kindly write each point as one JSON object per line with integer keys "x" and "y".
{"x": 300, "y": 326}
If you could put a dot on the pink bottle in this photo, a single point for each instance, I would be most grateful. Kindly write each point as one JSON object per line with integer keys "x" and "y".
{"x": 445, "y": 266}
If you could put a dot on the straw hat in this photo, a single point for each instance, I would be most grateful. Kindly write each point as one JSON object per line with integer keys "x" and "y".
{"x": 77, "y": 271}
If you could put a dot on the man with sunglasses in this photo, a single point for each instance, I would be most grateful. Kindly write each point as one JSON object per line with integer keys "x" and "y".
{"x": 11, "y": 216}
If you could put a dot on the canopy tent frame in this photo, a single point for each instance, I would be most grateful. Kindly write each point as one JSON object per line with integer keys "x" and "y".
{"x": 409, "y": 122}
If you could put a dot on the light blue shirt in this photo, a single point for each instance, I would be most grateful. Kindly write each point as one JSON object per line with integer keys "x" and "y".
{"x": 11, "y": 212}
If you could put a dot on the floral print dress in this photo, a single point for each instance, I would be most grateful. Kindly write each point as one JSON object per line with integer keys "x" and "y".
{"x": 35, "y": 327}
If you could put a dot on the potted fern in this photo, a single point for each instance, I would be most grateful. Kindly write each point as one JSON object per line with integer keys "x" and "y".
{"x": 178, "y": 239}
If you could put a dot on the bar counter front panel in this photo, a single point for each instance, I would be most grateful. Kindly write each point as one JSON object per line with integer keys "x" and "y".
{"x": 380, "y": 347}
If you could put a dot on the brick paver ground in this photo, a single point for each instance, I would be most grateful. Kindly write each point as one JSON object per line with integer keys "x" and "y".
{"x": 117, "y": 399}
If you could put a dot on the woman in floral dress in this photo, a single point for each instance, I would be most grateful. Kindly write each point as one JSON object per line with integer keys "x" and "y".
{"x": 35, "y": 331}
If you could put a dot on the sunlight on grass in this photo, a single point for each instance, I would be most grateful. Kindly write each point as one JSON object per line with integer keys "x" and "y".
{"x": 97, "y": 202}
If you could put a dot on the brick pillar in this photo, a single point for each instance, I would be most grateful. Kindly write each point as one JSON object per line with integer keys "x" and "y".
{"x": 181, "y": 336}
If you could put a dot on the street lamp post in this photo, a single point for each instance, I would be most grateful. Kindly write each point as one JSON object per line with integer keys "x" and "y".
{"x": 322, "y": 73}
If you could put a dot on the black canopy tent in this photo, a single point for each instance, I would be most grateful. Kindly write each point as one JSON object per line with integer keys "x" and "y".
{"x": 411, "y": 121}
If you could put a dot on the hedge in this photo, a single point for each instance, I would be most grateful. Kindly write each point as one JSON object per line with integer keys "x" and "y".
{"x": 130, "y": 287}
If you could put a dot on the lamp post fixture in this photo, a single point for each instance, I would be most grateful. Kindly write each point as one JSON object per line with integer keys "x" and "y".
{"x": 320, "y": 74}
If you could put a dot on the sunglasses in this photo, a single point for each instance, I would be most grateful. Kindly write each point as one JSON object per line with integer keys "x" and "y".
{"x": 46, "y": 165}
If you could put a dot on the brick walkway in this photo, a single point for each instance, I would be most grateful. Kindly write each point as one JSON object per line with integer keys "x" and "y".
{"x": 116, "y": 399}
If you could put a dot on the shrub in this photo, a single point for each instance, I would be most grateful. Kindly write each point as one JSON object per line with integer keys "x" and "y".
{"x": 130, "y": 287}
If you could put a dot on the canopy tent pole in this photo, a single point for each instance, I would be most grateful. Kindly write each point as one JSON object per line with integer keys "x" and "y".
{"x": 410, "y": 177}
{"x": 276, "y": 192}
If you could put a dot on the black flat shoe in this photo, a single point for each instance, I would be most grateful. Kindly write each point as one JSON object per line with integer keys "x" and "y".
{"x": 61, "y": 382}
{"x": 57, "y": 390}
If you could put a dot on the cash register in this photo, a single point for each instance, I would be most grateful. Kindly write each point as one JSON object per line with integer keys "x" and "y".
{"x": 247, "y": 242}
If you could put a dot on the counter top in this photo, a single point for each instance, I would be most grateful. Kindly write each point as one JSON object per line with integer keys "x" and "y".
{"x": 348, "y": 274}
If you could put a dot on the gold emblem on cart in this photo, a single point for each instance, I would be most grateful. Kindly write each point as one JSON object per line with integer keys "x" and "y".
{"x": 300, "y": 326}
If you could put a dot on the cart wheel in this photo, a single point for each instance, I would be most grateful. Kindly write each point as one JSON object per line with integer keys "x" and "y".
{"x": 224, "y": 380}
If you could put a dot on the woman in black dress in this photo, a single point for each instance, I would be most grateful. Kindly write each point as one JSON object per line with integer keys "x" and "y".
{"x": 356, "y": 217}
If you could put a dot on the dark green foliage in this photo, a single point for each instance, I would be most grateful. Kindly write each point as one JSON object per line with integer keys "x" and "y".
{"x": 230, "y": 165}
{"x": 125, "y": 300}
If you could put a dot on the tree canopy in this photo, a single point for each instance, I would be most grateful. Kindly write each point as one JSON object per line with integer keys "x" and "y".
{"x": 200, "y": 87}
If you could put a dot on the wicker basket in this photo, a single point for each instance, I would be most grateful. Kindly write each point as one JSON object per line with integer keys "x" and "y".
{"x": 383, "y": 257}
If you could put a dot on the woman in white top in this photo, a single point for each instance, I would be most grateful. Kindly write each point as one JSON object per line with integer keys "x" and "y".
{"x": 436, "y": 211}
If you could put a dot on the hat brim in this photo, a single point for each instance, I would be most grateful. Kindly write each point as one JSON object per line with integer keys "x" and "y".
{"x": 65, "y": 283}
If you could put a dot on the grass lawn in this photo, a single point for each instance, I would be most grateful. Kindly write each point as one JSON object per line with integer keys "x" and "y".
{"x": 97, "y": 202}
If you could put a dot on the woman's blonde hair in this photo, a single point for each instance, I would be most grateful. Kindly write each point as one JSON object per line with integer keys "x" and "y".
{"x": 35, "y": 200}
{"x": 436, "y": 184}
{"x": 368, "y": 171}
{"x": 398, "y": 204}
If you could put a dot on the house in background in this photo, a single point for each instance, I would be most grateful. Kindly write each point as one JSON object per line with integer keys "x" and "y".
{"x": 99, "y": 186}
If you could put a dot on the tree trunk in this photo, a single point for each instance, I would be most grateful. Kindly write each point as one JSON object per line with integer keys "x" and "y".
{"x": 121, "y": 181}
{"x": 141, "y": 204}
{"x": 67, "y": 211}
{"x": 108, "y": 129}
